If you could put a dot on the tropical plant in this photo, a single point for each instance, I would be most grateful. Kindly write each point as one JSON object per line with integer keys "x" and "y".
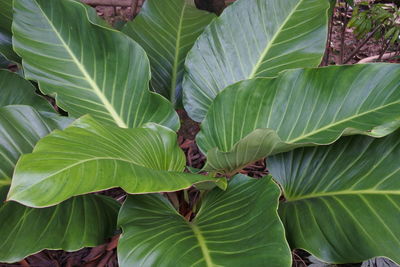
{"x": 167, "y": 31}
{"x": 330, "y": 136}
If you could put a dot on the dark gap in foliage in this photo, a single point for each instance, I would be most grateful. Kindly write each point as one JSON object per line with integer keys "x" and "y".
{"x": 116, "y": 193}
{"x": 215, "y": 6}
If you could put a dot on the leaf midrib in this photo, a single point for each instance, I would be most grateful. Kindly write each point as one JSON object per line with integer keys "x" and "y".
{"x": 342, "y": 193}
{"x": 340, "y": 122}
{"x": 177, "y": 46}
{"x": 292, "y": 141}
{"x": 268, "y": 47}
{"x": 202, "y": 244}
{"x": 76, "y": 164}
{"x": 118, "y": 120}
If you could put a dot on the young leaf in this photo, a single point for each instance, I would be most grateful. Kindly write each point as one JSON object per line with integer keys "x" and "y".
{"x": 89, "y": 156}
{"x": 20, "y": 128}
{"x": 342, "y": 201}
{"x": 84, "y": 221}
{"x": 15, "y": 90}
{"x": 167, "y": 31}
{"x": 91, "y": 69}
{"x": 236, "y": 227}
{"x": 6, "y": 18}
{"x": 260, "y": 117}
{"x": 253, "y": 38}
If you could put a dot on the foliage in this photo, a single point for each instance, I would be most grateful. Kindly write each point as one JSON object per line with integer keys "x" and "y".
{"x": 87, "y": 76}
{"x": 139, "y": 160}
{"x": 76, "y": 223}
{"x": 347, "y": 197}
{"x": 253, "y": 39}
{"x": 167, "y": 31}
{"x": 218, "y": 236}
{"x": 300, "y": 108}
{"x": 367, "y": 17}
{"x": 330, "y": 136}
{"x": 5, "y": 31}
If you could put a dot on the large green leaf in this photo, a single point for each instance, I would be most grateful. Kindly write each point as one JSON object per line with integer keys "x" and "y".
{"x": 89, "y": 156}
{"x": 25, "y": 231}
{"x": 342, "y": 202}
{"x": 15, "y": 90}
{"x": 253, "y": 38}
{"x": 260, "y": 117}
{"x": 167, "y": 31}
{"x": 20, "y": 128}
{"x": 6, "y": 18}
{"x": 6, "y": 15}
{"x": 80, "y": 222}
{"x": 237, "y": 227}
{"x": 90, "y": 68}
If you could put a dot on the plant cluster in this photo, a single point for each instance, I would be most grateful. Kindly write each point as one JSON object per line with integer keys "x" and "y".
{"x": 378, "y": 21}
{"x": 367, "y": 17}
{"x": 330, "y": 136}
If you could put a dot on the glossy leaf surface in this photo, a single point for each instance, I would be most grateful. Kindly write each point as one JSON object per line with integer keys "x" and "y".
{"x": 80, "y": 222}
{"x": 256, "y": 118}
{"x": 6, "y": 18}
{"x": 235, "y": 227}
{"x": 167, "y": 31}
{"x": 92, "y": 69}
{"x": 89, "y": 156}
{"x": 20, "y": 128}
{"x": 253, "y": 38}
{"x": 343, "y": 200}
{"x": 15, "y": 90}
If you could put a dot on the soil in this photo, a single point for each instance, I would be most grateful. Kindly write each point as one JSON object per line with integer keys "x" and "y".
{"x": 105, "y": 255}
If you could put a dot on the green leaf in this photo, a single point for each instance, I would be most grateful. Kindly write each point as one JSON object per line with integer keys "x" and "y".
{"x": 4, "y": 186}
{"x": 253, "y": 38}
{"x": 236, "y": 227}
{"x": 6, "y": 49}
{"x": 167, "y": 31}
{"x": 15, "y": 90}
{"x": 395, "y": 36}
{"x": 6, "y": 17}
{"x": 3, "y": 62}
{"x": 260, "y": 117}
{"x": 342, "y": 201}
{"x": 390, "y": 32}
{"x": 91, "y": 69}
{"x": 89, "y": 156}
{"x": 20, "y": 128}
{"x": 77, "y": 223}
